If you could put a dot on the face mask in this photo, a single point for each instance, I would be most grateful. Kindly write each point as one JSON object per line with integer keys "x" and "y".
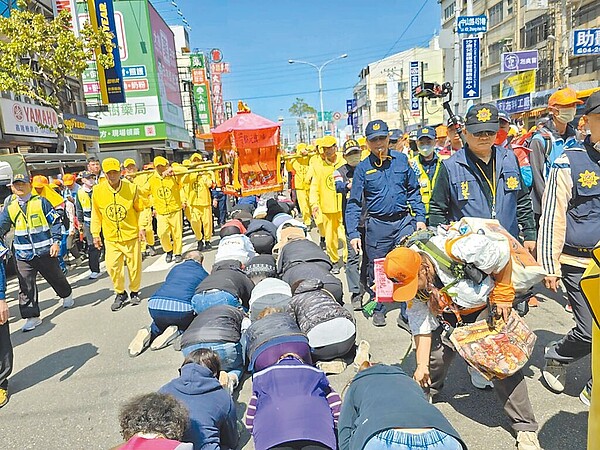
{"x": 425, "y": 150}
{"x": 566, "y": 115}
{"x": 353, "y": 159}
{"x": 501, "y": 136}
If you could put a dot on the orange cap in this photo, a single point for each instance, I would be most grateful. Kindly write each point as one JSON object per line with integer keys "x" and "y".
{"x": 39, "y": 181}
{"x": 564, "y": 97}
{"x": 57, "y": 182}
{"x": 402, "y": 266}
{"x": 69, "y": 179}
{"x": 441, "y": 131}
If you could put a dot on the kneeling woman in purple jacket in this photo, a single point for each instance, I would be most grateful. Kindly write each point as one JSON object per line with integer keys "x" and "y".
{"x": 292, "y": 407}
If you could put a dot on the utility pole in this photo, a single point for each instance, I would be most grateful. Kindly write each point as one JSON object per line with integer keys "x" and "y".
{"x": 456, "y": 88}
{"x": 565, "y": 12}
{"x": 422, "y": 98}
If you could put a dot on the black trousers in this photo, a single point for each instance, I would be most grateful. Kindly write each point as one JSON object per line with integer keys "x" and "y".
{"x": 28, "y": 292}
{"x": 577, "y": 343}
{"x": 93, "y": 252}
{"x": 6, "y": 355}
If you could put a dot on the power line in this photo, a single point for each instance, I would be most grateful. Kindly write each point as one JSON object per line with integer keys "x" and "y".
{"x": 290, "y": 94}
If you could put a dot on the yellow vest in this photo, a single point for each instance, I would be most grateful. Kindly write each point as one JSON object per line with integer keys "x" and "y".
{"x": 166, "y": 193}
{"x": 85, "y": 200}
{"x": 34, "y": 221}
{"x": 197, "y": 189}
{"x": 425, "y": 183}
{"x": 322, "y": 185}
{"x": 116, "y": 213}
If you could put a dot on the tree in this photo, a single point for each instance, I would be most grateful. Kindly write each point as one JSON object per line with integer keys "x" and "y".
{"x": 38, "y": 55}
{"x": 301, "y": 110}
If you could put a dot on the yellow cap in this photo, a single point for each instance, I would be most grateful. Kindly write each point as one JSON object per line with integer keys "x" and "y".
{"x": 111, "y": 164}
{"x": 362, "y": 141}
{"x": 301, "y": 146}
{"x": 186, "y": 162}
{"x": 310, "y": 148}
{"x": 161, "y": 161}
{"x": 328, "y": 141}
{"x": 196, "y": 157}
{"x": 128, "y": 162}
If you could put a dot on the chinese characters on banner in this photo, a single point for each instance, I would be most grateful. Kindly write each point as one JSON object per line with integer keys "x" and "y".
{"x": 471, "y": 64}
{"x": 415, "y": 80}
{"x": 201, "y": 91}
{"x": 586, "y": 42}
{"x": 516, "y": 104}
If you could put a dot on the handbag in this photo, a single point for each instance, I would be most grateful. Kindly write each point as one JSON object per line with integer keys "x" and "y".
{"x": 497, "y": 351}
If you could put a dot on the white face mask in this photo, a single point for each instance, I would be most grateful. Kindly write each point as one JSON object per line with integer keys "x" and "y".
{"x": 425, "y": 150}
{"x": 353, "y": 159}
{"x": 566, "y": 115}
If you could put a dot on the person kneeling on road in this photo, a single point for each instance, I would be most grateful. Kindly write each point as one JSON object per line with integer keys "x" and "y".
{"x": 226, "y": 284}
{"x": 170, "y": 307}
{"x": 213, "y": 418}
{"x": 419, "y": 279}
{"x": 219, "y": 329}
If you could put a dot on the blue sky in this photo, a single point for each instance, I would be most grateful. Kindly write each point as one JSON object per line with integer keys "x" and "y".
{"x": 257, "y": 38}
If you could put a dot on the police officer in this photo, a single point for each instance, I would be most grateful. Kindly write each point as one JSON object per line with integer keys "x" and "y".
{"x": 426, "y": 163}
{"x": 389, "y": 189}
{"x": 569, "y": 230}
{"x": 483, "y": 180}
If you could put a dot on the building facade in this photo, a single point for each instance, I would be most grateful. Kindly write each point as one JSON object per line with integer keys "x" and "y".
{"x": 384, "y": 89}
{"x": 518, "y": 25}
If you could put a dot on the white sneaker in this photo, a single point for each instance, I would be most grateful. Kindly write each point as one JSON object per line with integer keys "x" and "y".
{"x": 478, "y": 380}
{"x": 362, "y": 354}
{"x": 68, "y": 302}
{"x": 528, "y": 440}
{"x": 555, "y": 375}
{"x": 166, "y": 338}
{"x": 94, "y": 275}
{"x": 140, "y": 342}
{"x": 31, "y": 323}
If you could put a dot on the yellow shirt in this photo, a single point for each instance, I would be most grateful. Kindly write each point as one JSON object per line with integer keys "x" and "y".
{"x": 322, "y": 186}
{"x": 166, "y": 193}
{"x": 141, "y": 181}
{"x": 116, "y": 212}
{"x": 197, "y": 188}
{"x": 300, "y": 168}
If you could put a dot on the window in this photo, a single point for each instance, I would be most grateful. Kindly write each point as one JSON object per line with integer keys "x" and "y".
{"x": 494, "y": 52}
{"x": 425, "y": 66}
{"x": 381, "y": 107}
{"x": 402, "y": 86}
{"x": 495, "y": 91}
{"x": 449, "y": 11}
{"x": 584, "y": 64}
{"x": 586, "y": 14}
{"x": 545, "y": 72}
{"x": 496, "y": 14}
{"x": 535, "y": 31}
{"x": 381, "y": 90}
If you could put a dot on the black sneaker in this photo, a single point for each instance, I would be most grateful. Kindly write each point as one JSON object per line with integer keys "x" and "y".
{"x": 337, "y": 267}
{"x": 356, "y": 302}
{"x": 178, "y": 258}
{"x": 207, "y": 245}
{"x": 323, "y": 244}
{"x": 379, "y": 319}
{"x": 135, "y": 298}
{"x": 150, "y": 250}
{"x": 169, "y": 257}
{"x": 403, "y": 323}
{"x": 200, "y": 246}
{"x": 119, "y": 302}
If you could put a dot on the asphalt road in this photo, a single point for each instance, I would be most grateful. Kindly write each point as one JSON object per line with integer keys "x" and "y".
{"x": 72, "y": 373}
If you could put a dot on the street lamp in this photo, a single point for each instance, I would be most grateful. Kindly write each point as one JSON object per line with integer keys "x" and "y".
{"x": 319, "y": 70}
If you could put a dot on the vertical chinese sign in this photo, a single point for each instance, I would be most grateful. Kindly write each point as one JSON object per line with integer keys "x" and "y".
{"x": 201, "y": 91}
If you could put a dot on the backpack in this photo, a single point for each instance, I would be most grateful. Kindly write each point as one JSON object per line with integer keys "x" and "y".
{"x": 520, "y": 146}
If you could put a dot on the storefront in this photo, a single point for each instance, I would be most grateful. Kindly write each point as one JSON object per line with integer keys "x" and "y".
{"x": 27, "y": 128}
{"x": 83, "y": 135}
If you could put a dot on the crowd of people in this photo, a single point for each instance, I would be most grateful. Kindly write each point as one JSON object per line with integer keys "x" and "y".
{"x": 272, "y": 306}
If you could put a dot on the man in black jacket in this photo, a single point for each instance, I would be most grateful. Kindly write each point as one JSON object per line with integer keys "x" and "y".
{"x": 227, "y": 284}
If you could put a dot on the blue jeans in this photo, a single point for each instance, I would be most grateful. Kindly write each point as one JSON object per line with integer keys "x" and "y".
{"x": 204, "y": 300}
{"x": 231, "y": 355}
{"x": 396, "y": 439}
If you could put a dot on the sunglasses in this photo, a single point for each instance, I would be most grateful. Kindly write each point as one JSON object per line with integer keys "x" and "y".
{"x": 378, "y": 138}
{"x": 484, "y": 134}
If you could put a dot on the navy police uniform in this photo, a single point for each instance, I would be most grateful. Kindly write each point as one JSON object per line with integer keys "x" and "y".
{"x": 390, "y": 191}
{"x": 469, "y": 187}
